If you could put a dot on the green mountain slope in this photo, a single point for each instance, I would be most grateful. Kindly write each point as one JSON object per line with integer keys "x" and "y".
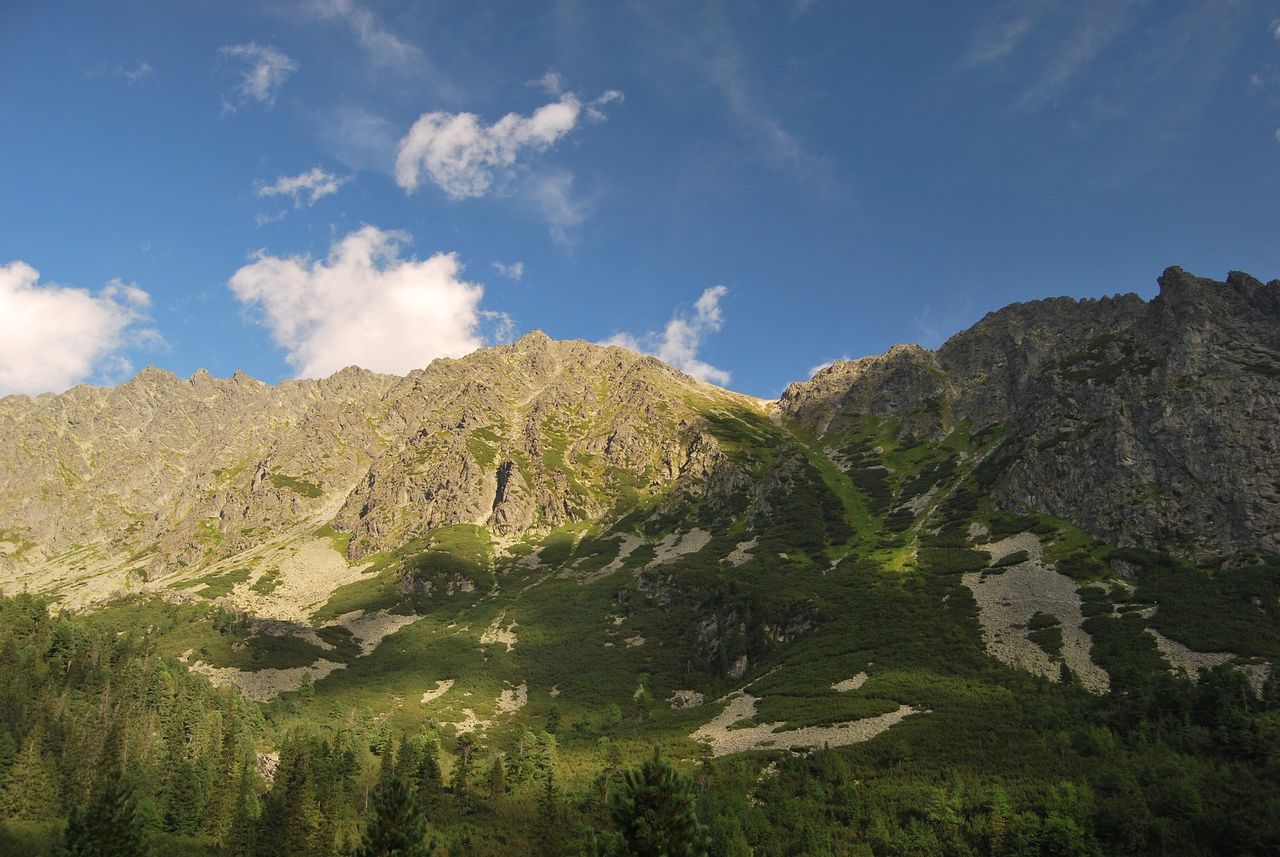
{"x": 891, "y": 613}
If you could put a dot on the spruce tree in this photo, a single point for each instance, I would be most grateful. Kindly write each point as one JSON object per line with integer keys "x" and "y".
{"x": 462, "y": 770}
{"x": 31, "y": 793}
{"x": 428, "y": 779}
{"x": 497, "y": 779}
{"x": 398, "y": 827}
{"x": 243, "y": 829}
{"x": 654, "y": 814}
{"x": 292, "y": 823}
{"x": 108, "y": 826}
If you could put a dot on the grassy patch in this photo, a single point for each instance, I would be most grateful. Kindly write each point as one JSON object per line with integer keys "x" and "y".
{"x": 297, "y": 485}
{"x": 341, "y": 541}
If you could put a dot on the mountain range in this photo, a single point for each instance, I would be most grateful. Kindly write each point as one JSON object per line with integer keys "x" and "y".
{"x": 1060, "y": 502}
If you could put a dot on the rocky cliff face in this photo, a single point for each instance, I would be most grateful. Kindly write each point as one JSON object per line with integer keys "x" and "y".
{"x": 1146, "y": 423}
{"x": 521, "y": 437}
{"x": 529, "y": 437}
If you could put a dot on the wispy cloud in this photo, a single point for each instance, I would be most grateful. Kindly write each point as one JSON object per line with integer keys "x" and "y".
{"x": 263, "y": 70}
{"x": 800, "y": 8}
{"x": 512, "y": 271}
{"x": 1107, "y": 65}
{"x": 305, "y": 188}
{"x": 681, "y": 340}
{"x": 706, "y": 48}
{"x": 266, "y": 218}
{"x": 551, "y": 83}
{"x": 552, "y": 196}
{"x": 130, "y": 74}
{"x": 935, "y": 324}
{"x": 1096, "y": 28}
{"x": 378, "y": 41}
{"x": 360, "y": 139}
{"x": 780, "y": 147}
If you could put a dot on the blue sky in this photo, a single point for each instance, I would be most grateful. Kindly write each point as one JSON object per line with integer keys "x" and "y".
{"x": 746, "y": 189}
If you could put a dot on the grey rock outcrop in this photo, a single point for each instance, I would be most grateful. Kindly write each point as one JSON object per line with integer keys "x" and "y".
{"x": 1145, "y": 422}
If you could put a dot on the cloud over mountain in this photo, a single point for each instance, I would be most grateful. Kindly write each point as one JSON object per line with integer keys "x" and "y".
{"x": 52, "y": 336}
{"x": 679, "y": 342}
{"x": 366, "y": 305}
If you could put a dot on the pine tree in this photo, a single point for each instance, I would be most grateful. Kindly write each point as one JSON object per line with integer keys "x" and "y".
{"x": 654, "y": 814}
{"x": 398, "y": 827}
{"x": 108, "y": 826}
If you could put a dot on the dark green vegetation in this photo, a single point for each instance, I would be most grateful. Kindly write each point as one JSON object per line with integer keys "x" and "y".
{"x": 297, "y": 485}
{"x": 860, "y": 545}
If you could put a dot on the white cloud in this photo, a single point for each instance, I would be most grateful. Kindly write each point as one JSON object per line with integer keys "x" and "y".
{"x": 680, "y": 341}
{"x": 305, "y": 188}
{"x": 552, "y": 83}
{"x": 514, "y": 271}
{"x": 52, "y": 336}
{"x": 594, "y": 113}
{"x": 264, "y": 71}
{"x": 366, "y": 305}
{"x": 463, "y": 156}
{"x": 1275, "y": 29}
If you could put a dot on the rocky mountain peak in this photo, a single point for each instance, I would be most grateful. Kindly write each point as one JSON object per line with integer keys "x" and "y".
{"x": 534, "y": 339}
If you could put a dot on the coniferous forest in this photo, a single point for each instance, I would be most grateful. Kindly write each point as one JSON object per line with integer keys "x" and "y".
{"x": 109, "y": 748}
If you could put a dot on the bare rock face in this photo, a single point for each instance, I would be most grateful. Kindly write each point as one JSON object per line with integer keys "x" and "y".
{"x": 175, "y": 468}
{"x": 1145, "y": 422}
{"x": 517, "y": 438}
{"x": 530, "y": 436}
{"x": 906, "y": 381}
{"x": 1166, "y": 431}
